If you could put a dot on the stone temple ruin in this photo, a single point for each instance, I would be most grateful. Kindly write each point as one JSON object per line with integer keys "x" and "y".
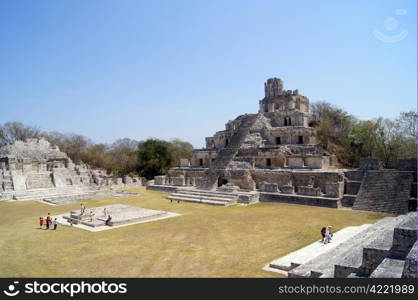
{"x": 273, "y": 155}
{"x": 35, "y": 170}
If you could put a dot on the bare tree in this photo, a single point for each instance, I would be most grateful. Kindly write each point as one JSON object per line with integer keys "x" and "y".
{"x": 16, "y": 131}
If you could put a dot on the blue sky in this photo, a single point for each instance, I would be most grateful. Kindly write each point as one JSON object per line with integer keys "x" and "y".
{"x": 165, "y": 69}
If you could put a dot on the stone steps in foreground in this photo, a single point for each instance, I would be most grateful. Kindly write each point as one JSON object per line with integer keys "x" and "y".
{"x": 389, "y": 268}
{"x": 347, "y": 257}
{"x": 316, "y": 249}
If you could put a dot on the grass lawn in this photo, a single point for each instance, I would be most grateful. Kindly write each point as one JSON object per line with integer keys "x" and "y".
{"x": 205, "y": 241}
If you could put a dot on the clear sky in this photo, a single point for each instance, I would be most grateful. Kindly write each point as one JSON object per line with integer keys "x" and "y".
{"x": 139, "y": 69}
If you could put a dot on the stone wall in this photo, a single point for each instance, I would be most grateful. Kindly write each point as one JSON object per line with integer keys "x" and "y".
{"x": 384, "y": 191}
{"x": 331, "y": 183}
{"x": 299, "y": 199}
{"x": 410, "y": 267}
{"x": 367, "y": 163}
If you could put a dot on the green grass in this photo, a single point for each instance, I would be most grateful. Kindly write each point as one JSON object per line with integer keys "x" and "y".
{"x": 205, "y": 241}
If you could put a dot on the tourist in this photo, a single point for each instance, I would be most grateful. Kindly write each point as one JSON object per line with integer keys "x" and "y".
{"x": 41, "y": 222}
{"x": 109, "y": 218}
{"x": 330, "y": 231}
{"x": 91, "y": 216}
{"x": 48, "y": 221}
{"x": 104, "y": 212}
{"x": 327, "y": 235}
{"x": 82, "y": 209}
{"x": 323, "y": 234}
{"x": 55, "y": 223}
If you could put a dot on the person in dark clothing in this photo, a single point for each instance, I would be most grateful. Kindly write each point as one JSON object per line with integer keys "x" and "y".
{"x": 323, "y": 233}
{"x": 48, "y": 221}
{"x": 109, "y": 218}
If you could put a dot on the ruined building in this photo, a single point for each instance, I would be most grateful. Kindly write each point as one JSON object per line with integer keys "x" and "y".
{"x": 272, "y": 155}
{"x": 35, "y": 170}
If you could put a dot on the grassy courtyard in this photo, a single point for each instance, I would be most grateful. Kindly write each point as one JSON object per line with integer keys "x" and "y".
{"x": 205, "y": 241}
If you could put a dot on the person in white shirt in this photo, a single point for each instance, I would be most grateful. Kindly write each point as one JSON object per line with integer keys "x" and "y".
{"x": 55, "y": 223}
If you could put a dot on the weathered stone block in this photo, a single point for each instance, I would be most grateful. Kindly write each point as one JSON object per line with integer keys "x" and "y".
{"x": 295, "y": 162}
{"x": 308, "y": 191}
{"x": 368, "y": 163}
{"x": 19, "y": 182}
{"x": 270, "y": 187}
{"x": 184, "y": 162}
{"x": 178, "y": 180}
{"x": 229, "y": 188}
{"x": 314, "y": 162}
{"x": 287, "y": 189}
{"x": 58, "y": 179}
{"x": 410, "y": 268}
{"x": 334, "y": 190}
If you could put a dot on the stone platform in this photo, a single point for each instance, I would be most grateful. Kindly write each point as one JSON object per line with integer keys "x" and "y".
{"x": 300, "y": 199}
{"x": 69, "y": 199}
{"x": 122, "y": 215}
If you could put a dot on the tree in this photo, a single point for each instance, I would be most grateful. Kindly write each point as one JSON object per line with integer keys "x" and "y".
{"x": 123, "y": 157}
{"x": 155, "y": 157}
{"x": 333, "y": 126}
{"x": 96, "y": 156}
{"x": 407, "y": 122}
{"x": 16, "y": 131}
{"x": 74, "y": 145}
{"x": 180, "y": 149}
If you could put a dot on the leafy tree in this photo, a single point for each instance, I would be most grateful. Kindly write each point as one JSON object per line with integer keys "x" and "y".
{"x": 155, "y": 157}
{"x": 96, "y": 155}
{"x": 180, "y": 149}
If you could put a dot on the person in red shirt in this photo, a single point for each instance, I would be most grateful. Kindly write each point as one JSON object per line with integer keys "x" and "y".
{"x": 41, "y": 222}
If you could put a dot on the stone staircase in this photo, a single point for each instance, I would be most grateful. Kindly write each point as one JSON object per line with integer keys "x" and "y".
{"x": 46, "y": 193}
{"x": 227, "y": 154}
{"x": 368, "y": 253}
{"x": 352, "y": 186}
{"x": 302, "y": 256}
{"x": 39, "y": 180}
{"x": 384, "y": 191}
{"x": 203, "y": 196}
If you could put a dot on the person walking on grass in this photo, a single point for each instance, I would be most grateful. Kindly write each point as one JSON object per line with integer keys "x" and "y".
{"x": 41, "y": 222}
{"x": 48, "y": 221}
{"x": 55, "y": 223}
